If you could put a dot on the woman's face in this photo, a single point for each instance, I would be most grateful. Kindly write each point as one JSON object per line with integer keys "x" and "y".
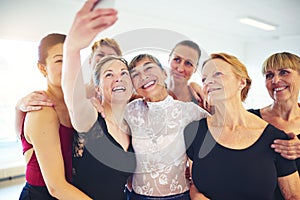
{"x": 53, "y": 66}
{"x": 183, "y": 63}
{"x": 283, "y": 84}
{"x": 219, "y": 81}
{"x": 101, "y": 52}
{"x": 115, "y": 84}
{"x": 148, "y": 78}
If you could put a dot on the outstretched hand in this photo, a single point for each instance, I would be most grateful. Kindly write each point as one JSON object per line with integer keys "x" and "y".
{"x": 33, "y": 101}
{"x": 88, "y": 23}
{"x": 289, "y": 149}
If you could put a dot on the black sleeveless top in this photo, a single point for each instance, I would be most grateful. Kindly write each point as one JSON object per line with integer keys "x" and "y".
{"x": 100, "y": 165}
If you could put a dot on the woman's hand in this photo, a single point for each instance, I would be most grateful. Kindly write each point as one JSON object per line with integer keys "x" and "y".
{"x": 88, "y": 23}
{"x": 289, "y": 149}
{"x": 198, "y": 94}
{"x": 33, "y": 101}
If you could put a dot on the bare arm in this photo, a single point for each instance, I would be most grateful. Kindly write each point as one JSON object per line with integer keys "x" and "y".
{"x": 290, "y": 186}
{"x": 31, "y": 102}
{"x": 86, "y": 25}
{"x": 41, "y": 129}
{"x": 289, "y": 149}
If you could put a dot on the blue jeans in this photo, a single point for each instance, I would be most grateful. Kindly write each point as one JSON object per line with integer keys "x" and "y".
{"x": 31, "y": 192}
{"x": 182, "y": 196}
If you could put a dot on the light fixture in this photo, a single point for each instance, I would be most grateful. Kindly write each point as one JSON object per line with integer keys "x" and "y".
{"x": 257, "y": 24}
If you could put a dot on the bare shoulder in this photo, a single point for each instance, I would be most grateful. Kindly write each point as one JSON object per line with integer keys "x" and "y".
{"x": 41, "y": 119}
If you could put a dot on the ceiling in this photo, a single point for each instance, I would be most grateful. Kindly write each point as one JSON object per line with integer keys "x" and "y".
{"x": 31, "y": 19}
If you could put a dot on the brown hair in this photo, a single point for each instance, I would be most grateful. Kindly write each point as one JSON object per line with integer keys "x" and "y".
{"x": 191, "y": 44}
{"x": 238, "y": 68}
{"x": 46, "y": 43}
{"x": 140, "y": 57}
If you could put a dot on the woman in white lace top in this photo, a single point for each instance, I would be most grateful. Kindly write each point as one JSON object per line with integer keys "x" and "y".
{"x": 157, "y": 122}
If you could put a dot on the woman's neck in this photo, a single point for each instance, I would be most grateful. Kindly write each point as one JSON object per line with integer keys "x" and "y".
{"x": 56, "y": 94}
{"x": 159, "y": 96}
{"x": 228, "y": 113}
{"x": 114, "y": 112}
{"x": 181, "y": 92}
{"x": 287, "y": 110}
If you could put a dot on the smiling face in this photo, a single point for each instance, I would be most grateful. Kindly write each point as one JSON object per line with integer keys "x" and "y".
{"x": 115, "y": 85}
{"x": 148, "y": 78}
{"x": 53, "y": 66}
{"x": 282, "y": 84}
{"x": 219, "y": 81}
{"x": 183, "y": 62}
{"x": 282, "y": 76}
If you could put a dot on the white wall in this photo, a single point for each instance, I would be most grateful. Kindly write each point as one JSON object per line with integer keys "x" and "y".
{"x": 251, "y": 53}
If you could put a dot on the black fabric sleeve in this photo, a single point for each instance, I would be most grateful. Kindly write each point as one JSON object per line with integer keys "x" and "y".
{"x": 190, "y": 133}
{"x": 255, "y": 112}
{"x": 284, "y": 166}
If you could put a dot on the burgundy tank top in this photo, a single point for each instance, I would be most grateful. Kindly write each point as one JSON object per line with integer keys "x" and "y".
{"x": 33, "y": 171}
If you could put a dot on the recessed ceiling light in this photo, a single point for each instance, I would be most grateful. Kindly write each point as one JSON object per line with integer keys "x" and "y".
{"x": 257, "y": 24}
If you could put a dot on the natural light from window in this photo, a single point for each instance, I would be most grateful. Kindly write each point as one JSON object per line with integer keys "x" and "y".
{"x": 18, "y": 76}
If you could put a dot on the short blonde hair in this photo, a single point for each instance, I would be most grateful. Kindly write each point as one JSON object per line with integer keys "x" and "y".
{"x": 238, "y": 68}
{"x": 107, "y": 42}
{"x": 281, "y": 60}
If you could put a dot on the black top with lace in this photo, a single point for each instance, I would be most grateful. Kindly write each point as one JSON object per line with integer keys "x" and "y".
{"x": 100, "y": 165}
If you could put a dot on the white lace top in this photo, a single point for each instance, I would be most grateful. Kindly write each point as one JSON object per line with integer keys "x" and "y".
{"x": 158, "y": 141}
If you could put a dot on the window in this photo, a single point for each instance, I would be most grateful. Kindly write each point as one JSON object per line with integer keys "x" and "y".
{"x": 18, "y": 76}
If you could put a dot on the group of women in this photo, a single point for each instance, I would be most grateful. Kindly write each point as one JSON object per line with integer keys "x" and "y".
{"x": 231, "y": 151}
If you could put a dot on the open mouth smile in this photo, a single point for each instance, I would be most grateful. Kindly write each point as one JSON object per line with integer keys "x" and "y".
{"x": 149, "y": 84}
{"x": 278, "y": 89}
{"x": 119, "y": 89}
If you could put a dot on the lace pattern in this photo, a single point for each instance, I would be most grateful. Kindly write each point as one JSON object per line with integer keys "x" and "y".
{"x": 80, "y": 139}
{"x": 158, "y": 141}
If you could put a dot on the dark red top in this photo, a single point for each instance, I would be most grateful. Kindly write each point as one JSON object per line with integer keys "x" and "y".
{"x": 33, "y": 171}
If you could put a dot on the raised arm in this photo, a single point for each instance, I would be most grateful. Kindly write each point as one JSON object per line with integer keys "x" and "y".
{"x": 86, "y": 25}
